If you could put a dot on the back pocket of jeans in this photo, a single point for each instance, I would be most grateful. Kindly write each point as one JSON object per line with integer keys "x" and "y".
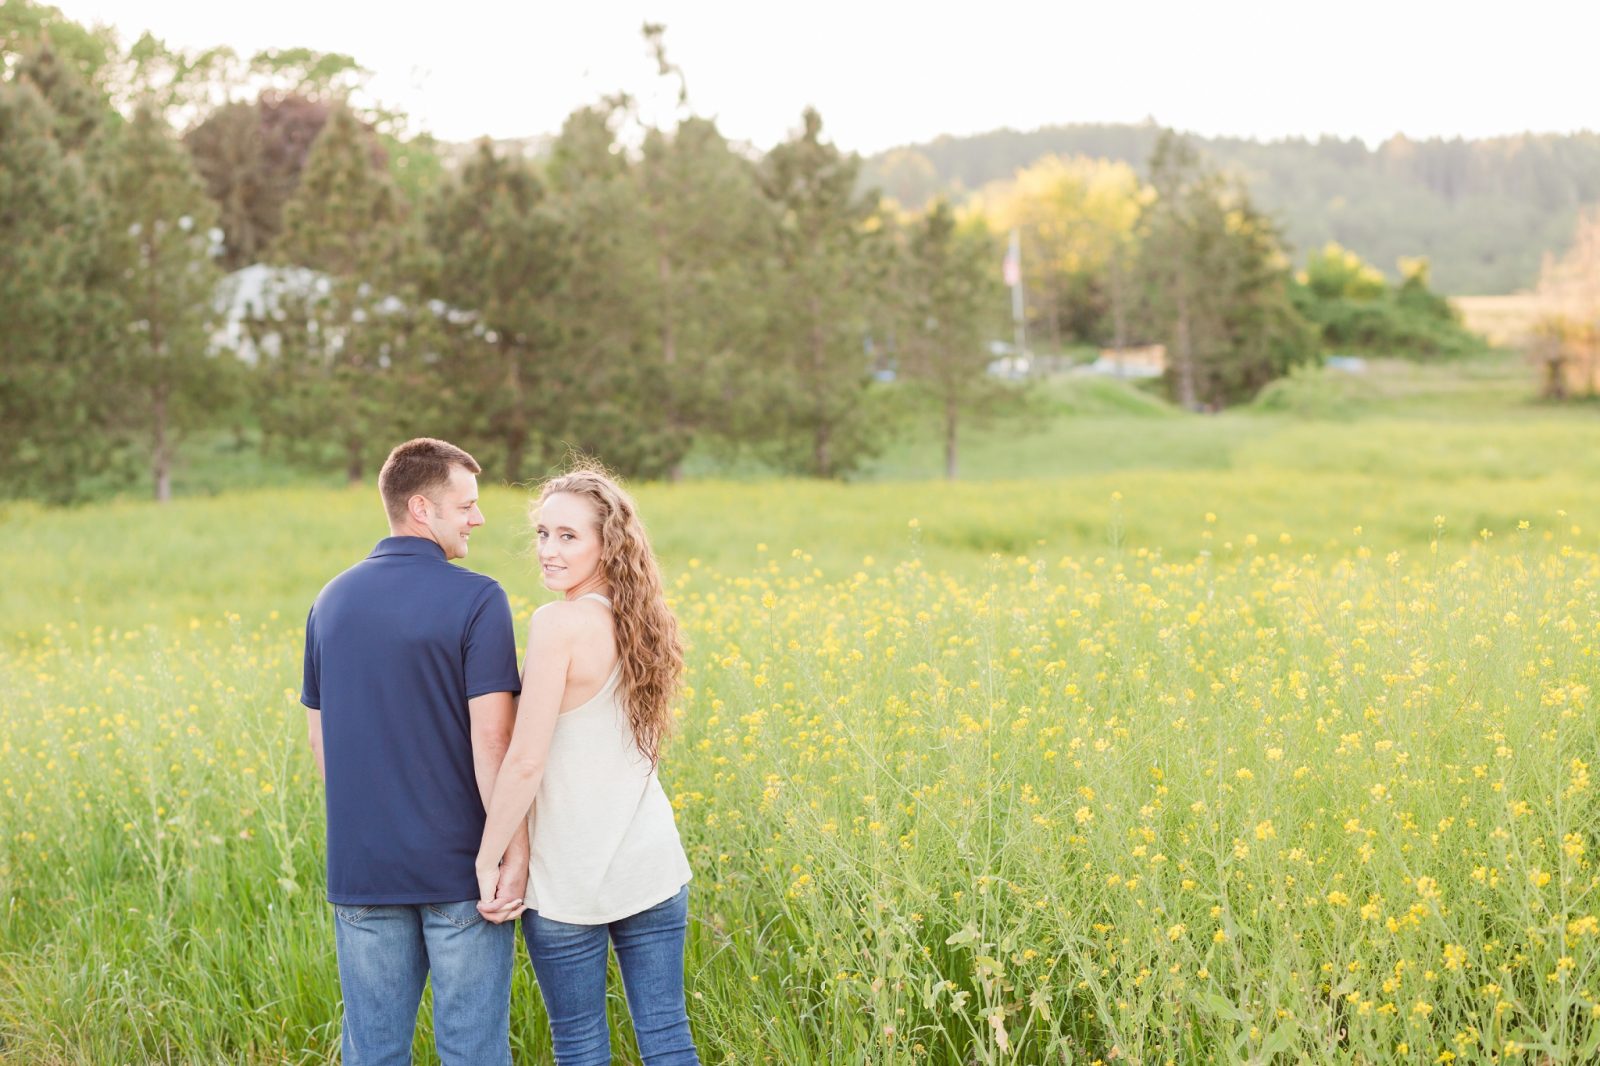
{"x": 462, "y": 915}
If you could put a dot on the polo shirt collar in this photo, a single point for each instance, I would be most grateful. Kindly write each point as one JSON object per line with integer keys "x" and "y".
{"x": 407, "y": 546}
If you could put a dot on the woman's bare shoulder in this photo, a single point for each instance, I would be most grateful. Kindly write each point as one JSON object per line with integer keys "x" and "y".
{"x": 571, "y": 619}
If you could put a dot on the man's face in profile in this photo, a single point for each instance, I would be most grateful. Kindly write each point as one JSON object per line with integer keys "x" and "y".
{"x": 453, "y": 512}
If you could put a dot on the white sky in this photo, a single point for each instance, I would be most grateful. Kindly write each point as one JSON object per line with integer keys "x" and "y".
{"x": 888, "y": 73}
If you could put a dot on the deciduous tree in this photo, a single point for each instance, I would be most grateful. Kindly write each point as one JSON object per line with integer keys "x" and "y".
{"x": 1076, "y": 219}
{"x": 1569, "y": 287}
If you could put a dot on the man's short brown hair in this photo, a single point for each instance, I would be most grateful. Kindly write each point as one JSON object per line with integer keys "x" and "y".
{"x": 420, "y": 465}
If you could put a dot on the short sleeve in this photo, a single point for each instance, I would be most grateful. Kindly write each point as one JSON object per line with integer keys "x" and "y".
{"x": 311, "y": 674}
{"x": 490, "y": 646}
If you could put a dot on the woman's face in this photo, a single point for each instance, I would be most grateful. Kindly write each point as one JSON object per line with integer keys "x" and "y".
{"x": 569, "y": 544}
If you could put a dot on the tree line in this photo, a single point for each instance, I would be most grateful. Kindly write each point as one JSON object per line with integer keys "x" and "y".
{"x": 629, "y": 299}
{"x": 1484, "y": 211}
{"x": 1184, "y": 257}
{"x": 635, "y": 293}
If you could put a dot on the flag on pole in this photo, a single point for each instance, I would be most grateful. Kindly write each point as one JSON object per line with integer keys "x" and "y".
{"x": 1011, "y": 269}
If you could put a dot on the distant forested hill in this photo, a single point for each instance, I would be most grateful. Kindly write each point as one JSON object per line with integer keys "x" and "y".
{"x": 1484, "y": 212}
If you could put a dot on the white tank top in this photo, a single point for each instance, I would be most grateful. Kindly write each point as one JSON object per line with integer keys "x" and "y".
{"x": 604, "y": 843}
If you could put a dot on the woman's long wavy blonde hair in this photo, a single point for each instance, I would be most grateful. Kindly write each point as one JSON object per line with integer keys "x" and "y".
{"x": 648, "y": 645}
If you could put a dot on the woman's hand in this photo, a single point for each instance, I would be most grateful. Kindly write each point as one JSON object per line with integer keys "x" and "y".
{"x": 516, "y": 784}
{"x": 500, "y": 891}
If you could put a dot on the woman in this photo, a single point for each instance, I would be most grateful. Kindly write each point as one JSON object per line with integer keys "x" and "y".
{"x": 606, "y": 864}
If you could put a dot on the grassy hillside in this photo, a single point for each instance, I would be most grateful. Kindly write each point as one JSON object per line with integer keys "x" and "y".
{"x": 1089, "y": 425}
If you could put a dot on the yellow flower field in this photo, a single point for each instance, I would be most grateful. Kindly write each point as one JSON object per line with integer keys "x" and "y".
{"x": 1256, "y": 799}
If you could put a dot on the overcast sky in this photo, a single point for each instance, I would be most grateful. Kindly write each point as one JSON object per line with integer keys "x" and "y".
{"x": 893, "y": 73}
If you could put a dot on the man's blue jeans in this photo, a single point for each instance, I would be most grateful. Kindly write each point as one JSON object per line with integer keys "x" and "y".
{"x": 570, "y": 962}
{"x": 385, "y": 955}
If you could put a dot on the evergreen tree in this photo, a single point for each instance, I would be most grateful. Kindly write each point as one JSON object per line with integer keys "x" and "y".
{"x": 609, "y": 377}
{"x": 1178, "y": 249}
{"x": 416, "y": 166}
{"x": 827, "y": 282}
{"x": 709, "y": 240}
{"x": 1217, "y": 282}
{"x": 345, "y": 339}
{"x": 54, "y": 351}
{"x": 344, "y": 218}
{"x": 90, "y": 52}
{"x": 954, "y": 303}
{"x": 80, "y": 110}
{"x": 665, "y": 295}
{"x": 158, "y": 249}
{"x": 502, "y": 257}
{"x": 1265, "y": 336}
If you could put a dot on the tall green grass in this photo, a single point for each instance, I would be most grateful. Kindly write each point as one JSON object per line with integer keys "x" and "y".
{"x": 128, "y": 563}
{"x": 1249, "y": 798}
{"x": 1258, "y": 760}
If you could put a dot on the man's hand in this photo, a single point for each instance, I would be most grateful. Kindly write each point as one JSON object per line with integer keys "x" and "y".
{"x": 507, "y": 903}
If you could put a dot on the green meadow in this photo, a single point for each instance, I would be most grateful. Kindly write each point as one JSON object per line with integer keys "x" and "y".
{"x": 1259, "y": 736}
{"x": 1320, "y": 454}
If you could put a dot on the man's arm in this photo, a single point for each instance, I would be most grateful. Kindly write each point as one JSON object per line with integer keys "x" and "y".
{"x": 314, "y": 733}
{"x": 493, "y": 715}
{"x": 311, "y": 692}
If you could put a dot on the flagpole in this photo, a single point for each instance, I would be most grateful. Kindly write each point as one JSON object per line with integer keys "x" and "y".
{"x": 1018, "y": 309}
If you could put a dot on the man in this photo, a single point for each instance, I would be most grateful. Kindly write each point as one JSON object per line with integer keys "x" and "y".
{"x": 410, "y": 682}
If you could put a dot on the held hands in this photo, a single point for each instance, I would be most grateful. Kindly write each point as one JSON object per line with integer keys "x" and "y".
{"x": 501, "y": 887}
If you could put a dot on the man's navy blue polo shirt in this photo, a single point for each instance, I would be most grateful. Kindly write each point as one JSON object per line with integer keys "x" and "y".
{"x": 395, "y": 647}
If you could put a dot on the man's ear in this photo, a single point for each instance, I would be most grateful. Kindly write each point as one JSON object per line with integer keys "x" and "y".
{"x": 418, "y": 507}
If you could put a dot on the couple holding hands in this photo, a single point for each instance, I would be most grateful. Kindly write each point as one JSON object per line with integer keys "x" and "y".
{"x": 462, "y": 796}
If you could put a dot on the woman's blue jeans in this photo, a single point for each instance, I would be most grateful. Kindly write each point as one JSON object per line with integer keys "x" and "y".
{"x": 570, "y": 963}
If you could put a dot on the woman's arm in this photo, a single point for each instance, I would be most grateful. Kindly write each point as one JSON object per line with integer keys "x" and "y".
{"x": 550, "y": 638}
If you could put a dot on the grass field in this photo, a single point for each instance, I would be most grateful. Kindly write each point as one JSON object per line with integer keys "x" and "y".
{"x": 1070, "y": 426}
{"x": 1507, "y": 319}
{"x": 1248, "y": 737}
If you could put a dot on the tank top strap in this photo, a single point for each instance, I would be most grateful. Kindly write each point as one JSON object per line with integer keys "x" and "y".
{"x": 596, "y": 596}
